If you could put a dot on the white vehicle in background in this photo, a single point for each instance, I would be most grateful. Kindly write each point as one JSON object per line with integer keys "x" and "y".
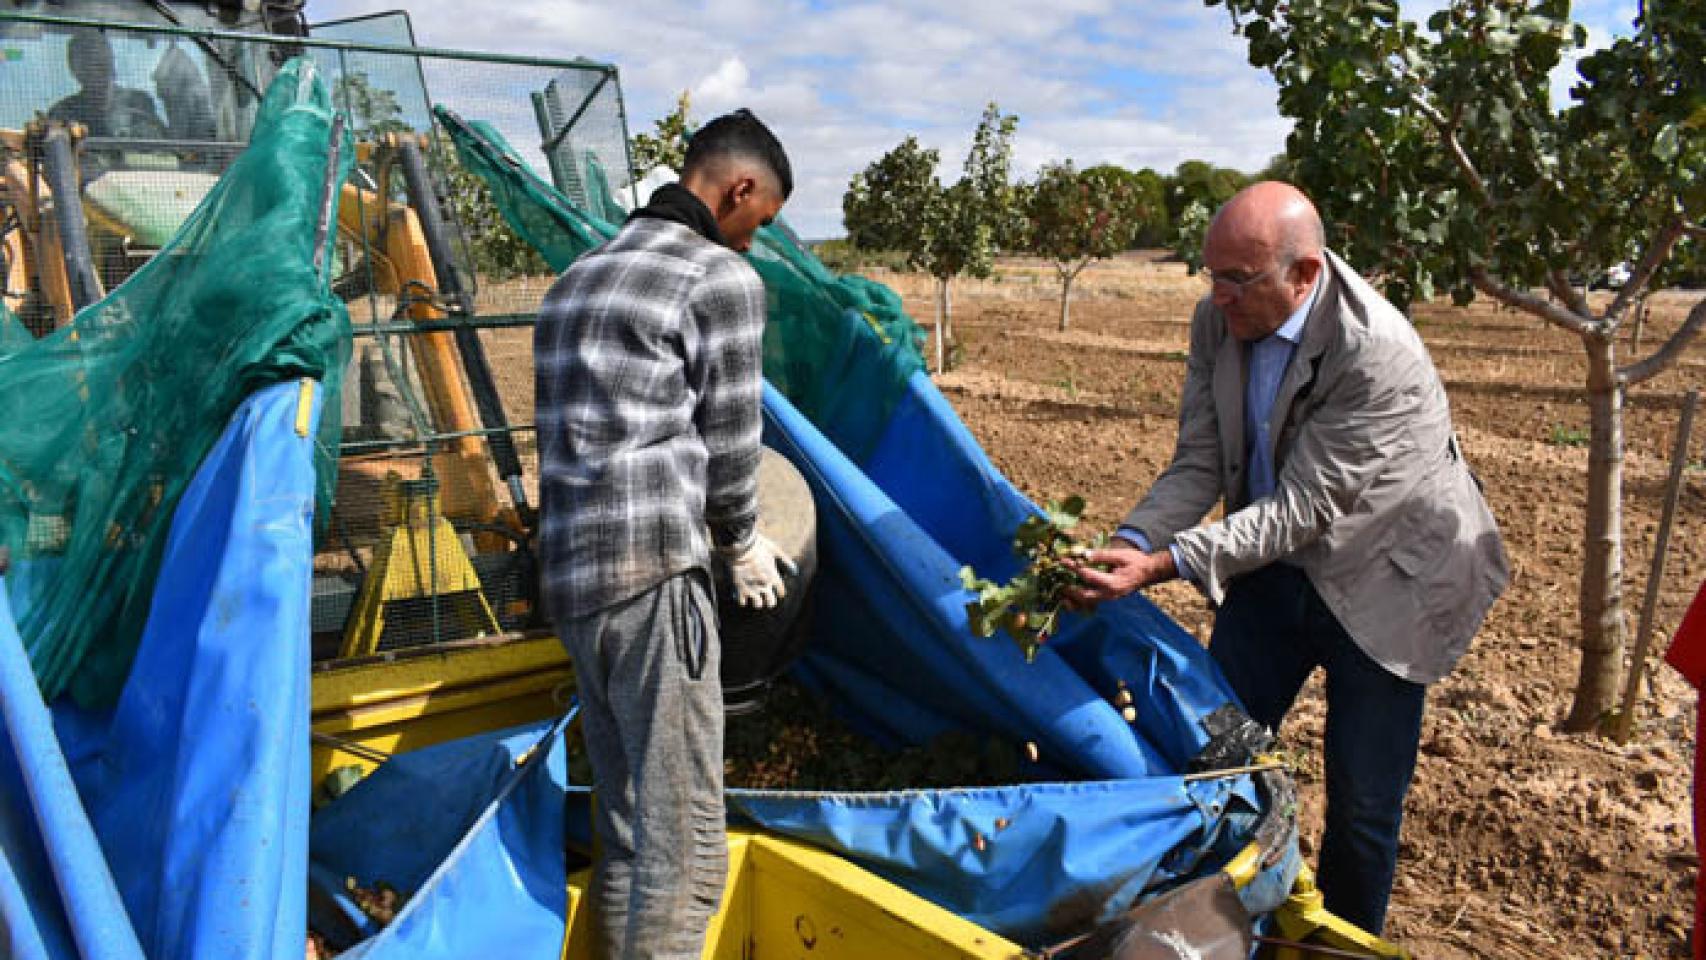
{"x": 1613, "y": 278}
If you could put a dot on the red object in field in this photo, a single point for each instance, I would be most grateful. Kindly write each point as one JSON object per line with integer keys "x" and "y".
{"x": 1687, "y": 654}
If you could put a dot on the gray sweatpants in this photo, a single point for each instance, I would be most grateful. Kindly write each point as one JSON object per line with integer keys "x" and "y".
{"x": 652, "y": 706}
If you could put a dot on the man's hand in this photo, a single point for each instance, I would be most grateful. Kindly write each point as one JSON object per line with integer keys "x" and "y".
{"x": 755, "y": 571}
{"x": 1113, "y": 572}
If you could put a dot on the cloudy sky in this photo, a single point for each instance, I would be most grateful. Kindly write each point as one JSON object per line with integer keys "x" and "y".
{"x": 1140, "y": 83}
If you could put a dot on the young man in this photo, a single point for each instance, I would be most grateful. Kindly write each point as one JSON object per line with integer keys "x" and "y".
{"x": 1355, "y": 538}
{"x": 648, "y": 395}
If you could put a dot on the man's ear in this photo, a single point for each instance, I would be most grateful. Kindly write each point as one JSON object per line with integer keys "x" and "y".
{"x": 743, "y": 189}
{"x": 1309, "y": 269}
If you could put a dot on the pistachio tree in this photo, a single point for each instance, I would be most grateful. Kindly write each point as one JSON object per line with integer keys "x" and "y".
{"x": 1442, "y": 163}
{"x": 666, "y": 146}
{"x": 899, "y": 203}
{"x": 1075, "y": 216}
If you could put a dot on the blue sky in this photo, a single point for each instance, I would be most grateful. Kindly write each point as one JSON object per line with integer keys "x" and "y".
{"x": 1140, "y": 83}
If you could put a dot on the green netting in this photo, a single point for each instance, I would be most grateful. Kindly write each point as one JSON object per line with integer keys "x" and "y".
{"x": 840, "y": 348}
{"x": 103, "y": 423}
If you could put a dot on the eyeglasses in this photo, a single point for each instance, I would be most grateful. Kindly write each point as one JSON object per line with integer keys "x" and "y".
{"x": 1235, "y": 281}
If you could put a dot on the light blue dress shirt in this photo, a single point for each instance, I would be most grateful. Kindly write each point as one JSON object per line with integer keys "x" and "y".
{"x": 1269, "y": 358}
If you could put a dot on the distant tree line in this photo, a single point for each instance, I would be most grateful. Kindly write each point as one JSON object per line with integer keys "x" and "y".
{"x": 898, "y": 212}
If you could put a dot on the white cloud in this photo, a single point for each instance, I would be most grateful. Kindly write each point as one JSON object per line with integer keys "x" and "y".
{"x": 724, "y": 86}
{"x": 1133, "y": 82}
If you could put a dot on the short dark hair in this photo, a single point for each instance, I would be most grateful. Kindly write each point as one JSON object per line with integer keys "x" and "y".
{"x": 740, "y": 134}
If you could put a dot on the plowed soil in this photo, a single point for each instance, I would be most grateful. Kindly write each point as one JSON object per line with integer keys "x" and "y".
{"x": 1519, "y": 841}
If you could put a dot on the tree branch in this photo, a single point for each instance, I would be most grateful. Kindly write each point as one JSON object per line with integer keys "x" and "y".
{"x": 1665, "y": 355}
{"x": 1539, "y": 306}
{"x": 1649, "y": 265}
{"x": 1448, "y": 131}
{"x": 1563, "y": 289}
{"x": 1695, "y": 230}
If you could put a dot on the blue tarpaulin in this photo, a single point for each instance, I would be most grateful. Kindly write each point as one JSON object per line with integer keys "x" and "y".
{"x": 891, "y": 646}
{"x": 185, "y": 832}
{"x": 176, "y": 825}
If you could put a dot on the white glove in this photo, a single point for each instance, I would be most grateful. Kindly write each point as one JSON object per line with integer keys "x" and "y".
{"x": 755, "y": 571}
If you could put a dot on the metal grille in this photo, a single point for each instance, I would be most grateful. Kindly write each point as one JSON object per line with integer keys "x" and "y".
{"x": 430, "y": 539}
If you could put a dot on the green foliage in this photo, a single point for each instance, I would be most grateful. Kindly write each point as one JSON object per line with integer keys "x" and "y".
{"x": 1157, "y": 226}
{"x": 372, "y": 110}
{"x": 1564, "y": 436}
{"x": 1439, "y": 158}
{"x": 668, "y": 146}
{"x": 898, "y": 203}
{"x": 1188, "y": 232}
{"x": 1073, "y": 216}
{"x": 497, "y": 252}
{"x": 1196, "y": 181}
{"x": 964, "y": 225}
{"x": 840, "y": 255}
{"x": 1028, "y": 607}
{"x": 884, "y": 205}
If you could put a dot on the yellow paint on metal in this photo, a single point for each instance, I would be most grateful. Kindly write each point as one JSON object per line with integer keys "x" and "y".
{"x": 394, "y": 705}
{"x": 786, "y": 899}
{"x": 1304, "y": 917}
{"x": 419, "y": 555}
{"x": 1244, "y": 867}
{"x": 304, "y": 406}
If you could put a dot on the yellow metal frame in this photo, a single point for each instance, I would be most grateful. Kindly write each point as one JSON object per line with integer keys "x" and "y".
{"x": 419, "y": 555}
{"x": 787, "y": 899}
{"x": 1304, "y": 917}
{"x": 364, "y": 710}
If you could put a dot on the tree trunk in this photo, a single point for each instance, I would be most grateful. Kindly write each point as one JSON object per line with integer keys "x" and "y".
{"x": 1602, "y": 618}
{"x": 946, "y": 299}
{"x": 941, "y": 323}
{"x": 1066, "y": 300}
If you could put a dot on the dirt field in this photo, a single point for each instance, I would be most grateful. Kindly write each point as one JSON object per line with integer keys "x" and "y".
{"x": 1519, "y": 842}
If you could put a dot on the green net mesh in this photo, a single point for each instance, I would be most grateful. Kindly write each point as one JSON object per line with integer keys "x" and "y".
{"x": 104, "y": 422}
{"x": 840, "y": 348}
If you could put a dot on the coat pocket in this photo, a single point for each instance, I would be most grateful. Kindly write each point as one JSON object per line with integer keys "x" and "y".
{"x": 1427, "y": 551}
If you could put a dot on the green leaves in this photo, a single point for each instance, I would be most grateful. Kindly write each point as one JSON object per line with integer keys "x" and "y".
{"x": 1666, "y": 145}
{"x": 668, "y": 146}
{"x": 1436, "y": 150}
{"x": 898, "y": 203}
{"x": 1028, "y": 607}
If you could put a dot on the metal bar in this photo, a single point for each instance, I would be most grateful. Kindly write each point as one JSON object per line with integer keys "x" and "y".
{"x": 477, "y": 56}
{"x": 627, "y": 144}
{"x": 1232, "y": 772}
{"x": 223, "y": 148}
{"x": 60, "y": 167}
{"x": 1313, "y": 949}
{"x": 474, "y": 363}
{"x": 1649, "y": 607}
{"x": 330, "y": 187}
{"x": 574, "y": 118}
{"x": 542, "y": 116}
{"x": 493, "y": 321}
{"x": 427, "y": 442}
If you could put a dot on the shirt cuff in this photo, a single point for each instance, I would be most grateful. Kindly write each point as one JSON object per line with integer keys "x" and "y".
{"x": 1136, "y": 536}
{"x": 1185, "y": 571}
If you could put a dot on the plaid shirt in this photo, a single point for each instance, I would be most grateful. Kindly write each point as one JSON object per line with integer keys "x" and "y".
{"x": 648, "y": 386}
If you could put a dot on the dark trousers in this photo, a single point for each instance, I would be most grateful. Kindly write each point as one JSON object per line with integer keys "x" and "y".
{"x": 1270, "y": 634}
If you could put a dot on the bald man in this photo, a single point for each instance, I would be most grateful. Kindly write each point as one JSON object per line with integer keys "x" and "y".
{"x": 649, "y": 380}
{"x": 1355, "y": 539}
